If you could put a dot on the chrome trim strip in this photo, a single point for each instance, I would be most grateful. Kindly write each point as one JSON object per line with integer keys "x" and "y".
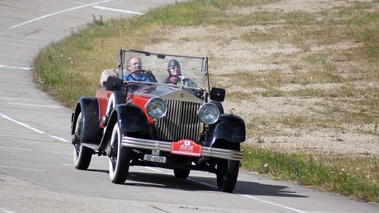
{"x": 165, "y": 146}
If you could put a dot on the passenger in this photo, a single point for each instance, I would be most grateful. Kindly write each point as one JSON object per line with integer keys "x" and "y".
{"x": 175, "y": 74}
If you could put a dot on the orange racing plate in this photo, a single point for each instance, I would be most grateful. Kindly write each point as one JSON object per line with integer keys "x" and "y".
{"x": 186, "y": 147}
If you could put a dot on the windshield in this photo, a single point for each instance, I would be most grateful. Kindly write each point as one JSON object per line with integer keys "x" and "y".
{"x": 178, "y": 70}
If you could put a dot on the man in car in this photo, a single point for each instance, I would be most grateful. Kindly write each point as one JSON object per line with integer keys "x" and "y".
{"x": 135, "y": 65}
{"x": 175, "y": 74}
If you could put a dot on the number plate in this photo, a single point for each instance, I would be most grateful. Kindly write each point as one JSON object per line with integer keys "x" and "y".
{"x": 154, "y": 158}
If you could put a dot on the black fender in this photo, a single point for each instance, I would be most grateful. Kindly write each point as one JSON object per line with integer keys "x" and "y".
{"x": 132, "y": 122}
{"x": 229, "y": 128}
{"x": 218, "y": 105}
{"x": 89, "y": 108}
{"x": 120, "y": 97}
{"x": 132, "y": 119}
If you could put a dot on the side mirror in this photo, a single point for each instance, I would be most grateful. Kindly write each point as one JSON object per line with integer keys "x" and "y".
{"x": 113, "y": 83}
{"x": 217, "y": 94}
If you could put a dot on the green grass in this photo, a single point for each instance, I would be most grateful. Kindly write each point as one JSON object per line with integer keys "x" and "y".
{"x": 348, "y": 176}
{"x": 71, "y": 68}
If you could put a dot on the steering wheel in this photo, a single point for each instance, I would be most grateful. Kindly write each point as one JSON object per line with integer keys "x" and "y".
{"x": 148, "y": 75}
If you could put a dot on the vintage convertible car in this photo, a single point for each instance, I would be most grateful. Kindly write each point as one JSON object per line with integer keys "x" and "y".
{"x": 158, "y": 124}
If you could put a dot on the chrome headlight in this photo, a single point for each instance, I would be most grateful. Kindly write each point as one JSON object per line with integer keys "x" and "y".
{"x": 156, "y": 108}
{"x": 208, "y": 113}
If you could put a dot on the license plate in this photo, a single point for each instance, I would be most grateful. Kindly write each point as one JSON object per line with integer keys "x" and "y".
{"x": 154, "y": 158}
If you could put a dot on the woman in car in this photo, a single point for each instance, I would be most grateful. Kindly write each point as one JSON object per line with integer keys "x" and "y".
{"x": 175, "y": 74}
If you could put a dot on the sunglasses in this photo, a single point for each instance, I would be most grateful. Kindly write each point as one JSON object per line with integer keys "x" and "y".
{"x": 175, "y": 67}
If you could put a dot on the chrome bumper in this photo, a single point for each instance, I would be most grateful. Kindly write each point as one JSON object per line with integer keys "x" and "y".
{"x": 166, "y": 147}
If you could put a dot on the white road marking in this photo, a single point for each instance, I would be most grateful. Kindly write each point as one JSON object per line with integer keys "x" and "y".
{"x": 242, "y": 195}
{"x": 272, "y": 203}
{"x": 56, "y": 13}
{"x": 7, "y": 211}
{"x": 13, "y": 67}
{"x": 154, "y": 169}
{"x": 31, "y": 128}
{"x": 75, "y": 2}
{"x": 58, "y": 138}
{"x": 202, "y": 183}
{"x": 118, "y": 10}
{"x": 21, "y": 124}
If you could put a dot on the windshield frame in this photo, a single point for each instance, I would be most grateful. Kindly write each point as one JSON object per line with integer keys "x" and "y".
{"x": 196, "y": 67}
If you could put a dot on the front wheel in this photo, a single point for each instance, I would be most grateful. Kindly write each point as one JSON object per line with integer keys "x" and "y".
{"x": 227, "y": 173}
{"x": 119, "y": 158}
{"x": 81, "y": 155}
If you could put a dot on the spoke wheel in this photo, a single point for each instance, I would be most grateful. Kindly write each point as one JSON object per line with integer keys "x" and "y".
{"x": 119, "y": 159}
{"x": 81, "y": 155}
{"x": 227, "y": 173}
{"x": 181, "y": 173}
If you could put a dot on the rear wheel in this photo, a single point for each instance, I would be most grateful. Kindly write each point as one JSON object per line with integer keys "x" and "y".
{"x": 227, "y": 173}
{"x": 119, "y": 159}
{"x": 181, "y": 173}
{"x": 81, "y": 155}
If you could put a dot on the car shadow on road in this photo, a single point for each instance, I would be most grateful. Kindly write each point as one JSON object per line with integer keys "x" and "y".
{"x": 142, "y": 179}
{"x": 196, "y": 183}
{"x": 253, "y": 188}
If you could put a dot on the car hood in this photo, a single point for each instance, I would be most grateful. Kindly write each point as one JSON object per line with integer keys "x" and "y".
{"x": 165, "y": 91}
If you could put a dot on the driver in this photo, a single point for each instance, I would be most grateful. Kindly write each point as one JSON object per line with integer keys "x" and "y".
{"x": 175, "y": 74}
{"x": 135, "y": 65}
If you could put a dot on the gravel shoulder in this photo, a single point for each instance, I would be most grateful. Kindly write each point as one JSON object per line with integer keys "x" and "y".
{"x": 228, "y": 54}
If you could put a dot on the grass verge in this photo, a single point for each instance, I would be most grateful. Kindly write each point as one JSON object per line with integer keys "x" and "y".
{"x": 341, "y": 174}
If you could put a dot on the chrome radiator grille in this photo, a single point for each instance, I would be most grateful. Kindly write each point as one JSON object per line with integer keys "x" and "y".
{"x": 180, "y": 122}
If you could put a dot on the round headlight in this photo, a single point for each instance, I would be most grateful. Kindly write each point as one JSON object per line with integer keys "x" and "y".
{"x": 156, "y": 108}
{"x": 208, "y": 113}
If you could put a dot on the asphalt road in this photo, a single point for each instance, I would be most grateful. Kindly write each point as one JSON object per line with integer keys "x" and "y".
{"x": 36, "y": 170}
